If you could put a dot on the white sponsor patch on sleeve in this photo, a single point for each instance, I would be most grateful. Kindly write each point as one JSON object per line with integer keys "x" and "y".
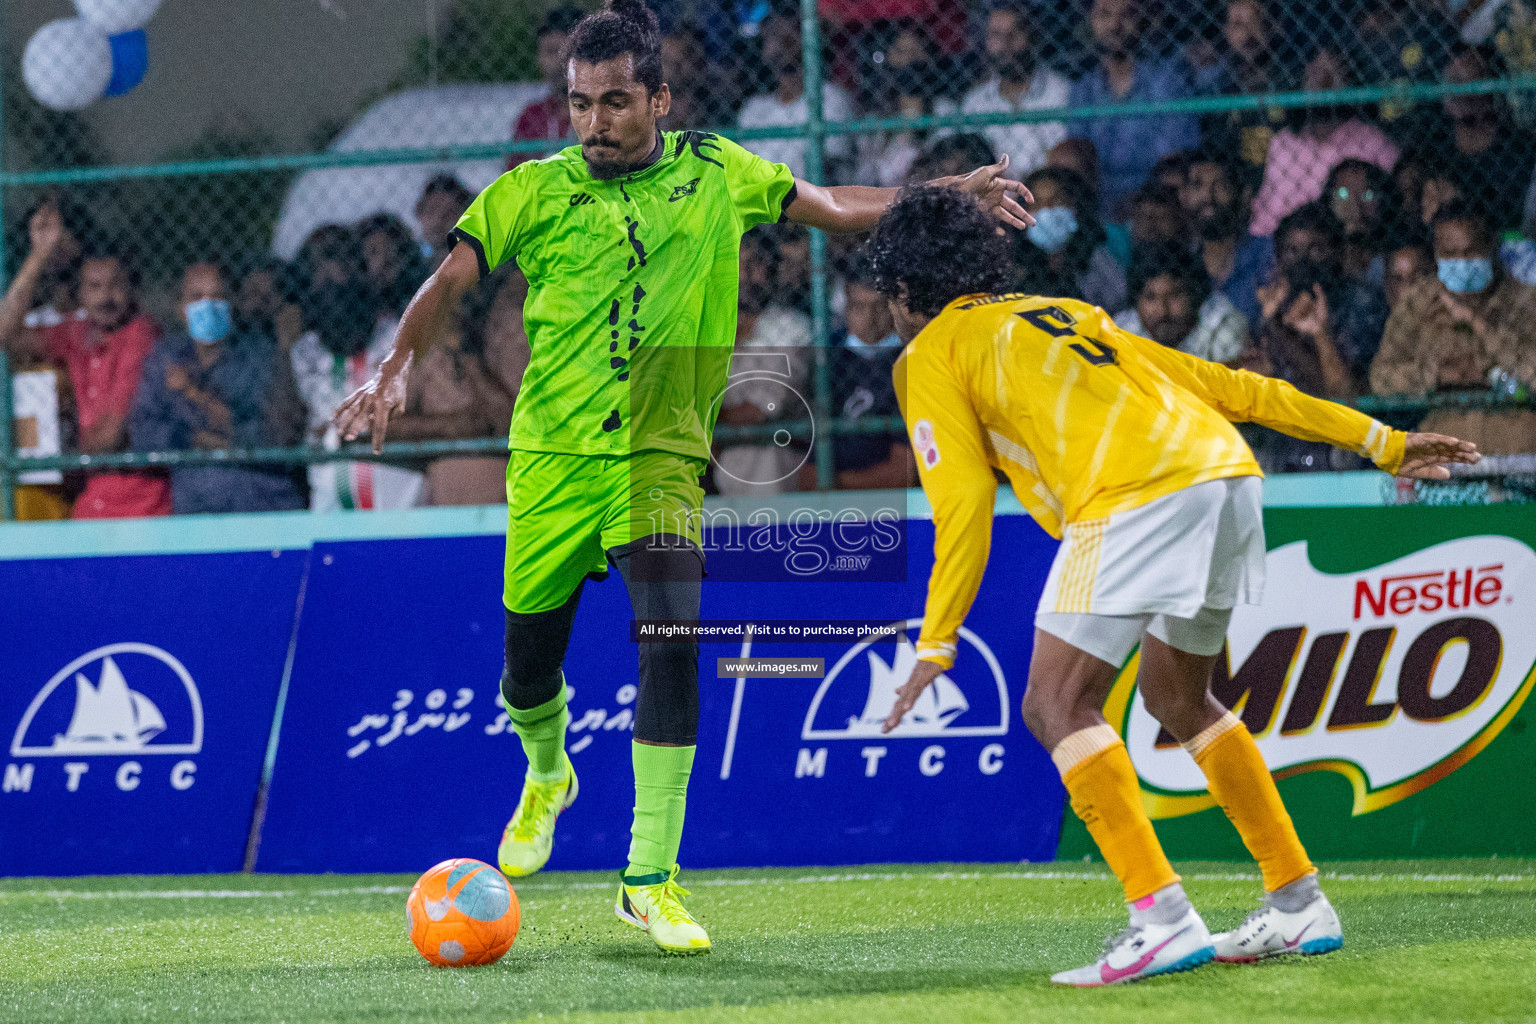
{"x": 925, "y": 444}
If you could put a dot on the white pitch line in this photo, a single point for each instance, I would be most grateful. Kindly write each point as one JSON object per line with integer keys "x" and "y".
{"x": 943, "y": 876}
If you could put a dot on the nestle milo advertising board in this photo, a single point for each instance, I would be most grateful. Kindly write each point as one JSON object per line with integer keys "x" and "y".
{"x": 1385, "y": 677}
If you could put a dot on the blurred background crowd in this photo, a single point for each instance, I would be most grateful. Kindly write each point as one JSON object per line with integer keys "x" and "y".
{"x": 1353, "y": 249}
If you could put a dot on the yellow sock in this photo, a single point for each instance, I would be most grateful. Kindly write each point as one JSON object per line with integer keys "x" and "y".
{"x": 1102, "y": 783}
{"x": 1242, "y": 785}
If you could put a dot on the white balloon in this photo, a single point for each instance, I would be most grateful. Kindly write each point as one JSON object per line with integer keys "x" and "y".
{"x": 67, "y": 64}
{"x": 114, "y": 16}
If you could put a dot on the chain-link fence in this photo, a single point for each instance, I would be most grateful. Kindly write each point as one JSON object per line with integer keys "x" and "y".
{"x": 1329, "y": 191}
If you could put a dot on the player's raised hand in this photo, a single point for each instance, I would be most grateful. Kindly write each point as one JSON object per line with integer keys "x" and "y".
{"x": 367, "y": 409}
{"x": 923, "y": 673}
{"x": 998, "y": 194}
{"x": 1428, "y": 456}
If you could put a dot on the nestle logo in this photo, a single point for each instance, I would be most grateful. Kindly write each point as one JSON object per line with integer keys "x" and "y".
{"x": 1429, "y": 591}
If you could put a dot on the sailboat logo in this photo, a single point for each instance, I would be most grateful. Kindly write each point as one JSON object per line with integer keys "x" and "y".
{"x": 109, "y": 715}
{"x": 944, "y": 709}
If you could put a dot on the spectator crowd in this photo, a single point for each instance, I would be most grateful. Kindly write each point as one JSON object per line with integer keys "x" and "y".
{"x": 1350, "y": 249}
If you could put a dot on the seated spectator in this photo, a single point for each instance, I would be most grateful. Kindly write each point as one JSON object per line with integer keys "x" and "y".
{"x": 1299, "y": 161}
{"x": 1019, "y": 82}
{"x": 39, "y": 396}
{"x": 1078, "y": 156}
{"x": 785, "y": 105}
{"x": 56, "y": 294}
{"x": 102, "y": 354}
{"x": 454, "y": 394}
{"x": 1320, "y": 329}
{"x": 1363, "y": 198}
{"x": 549, "y": 118}
{"x": 442, "y": 203}
{"x": 1171, "y": 171}
{"x": 904, "y": 82}
{"x": 1176, "y": 307}
{"x": 1157, "y": 217}
{"x": 1064, "y": 252}
{"x": 695, "y": 103}
{"x": 792, "y": 261}
{"x": 1491, "y": 158}
{"x": 950, "y": 155}
{"x": 1253, "y": 62}
{"x": 860, "y": 369}
{"x": 347, "y": 336}
{"x": 1129, "y": 146}
{"x": 392, "y": 261}
{"x": 771, "y": 363}
{"x": 1400, "y": 39}
{"x": 1217, "y": 201}
{"x": 213, "y": 386}
{"x": 1450, "y": 332}
{"x": 1405, "y": 268}
{"x": 262, "y": 303}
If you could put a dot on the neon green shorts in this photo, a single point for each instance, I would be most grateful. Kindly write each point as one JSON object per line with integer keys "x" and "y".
{"x": 565, "y": 511}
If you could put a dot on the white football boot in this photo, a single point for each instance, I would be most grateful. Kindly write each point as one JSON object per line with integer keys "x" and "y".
{"x": 1269, "y": 931}
{"x": 1144, "y": 950}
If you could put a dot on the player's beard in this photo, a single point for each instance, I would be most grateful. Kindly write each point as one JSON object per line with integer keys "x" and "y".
{"x": 606, "y": 162}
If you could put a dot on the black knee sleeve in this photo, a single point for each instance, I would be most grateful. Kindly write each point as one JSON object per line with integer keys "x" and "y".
{"x": 664, "y": 583}
{"x": 535, "y": 647}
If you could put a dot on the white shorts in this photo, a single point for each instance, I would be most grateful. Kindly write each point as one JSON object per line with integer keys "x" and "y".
{"x": 1174, "y": 567}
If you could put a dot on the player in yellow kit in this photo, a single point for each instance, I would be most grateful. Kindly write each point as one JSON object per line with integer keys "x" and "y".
{"x": 1124, "y": 450}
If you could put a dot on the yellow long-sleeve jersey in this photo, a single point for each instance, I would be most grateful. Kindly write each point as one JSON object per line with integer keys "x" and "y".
{"x": 1085, "y": 419}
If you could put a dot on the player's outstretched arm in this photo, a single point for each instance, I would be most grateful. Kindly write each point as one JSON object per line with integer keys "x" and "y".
{"x": 1245, "y": 397}
{"x": 844, "y": 208}
{"x": 367, "y": 410}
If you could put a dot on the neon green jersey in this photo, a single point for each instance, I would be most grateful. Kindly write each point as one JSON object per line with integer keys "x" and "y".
{"x": 631, "y": 310}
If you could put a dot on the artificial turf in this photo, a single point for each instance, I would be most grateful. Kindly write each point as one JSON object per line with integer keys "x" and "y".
{"x": 1425, "y": 940}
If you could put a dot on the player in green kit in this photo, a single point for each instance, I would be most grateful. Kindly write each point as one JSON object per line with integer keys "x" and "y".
{"x": 630, "y": 242}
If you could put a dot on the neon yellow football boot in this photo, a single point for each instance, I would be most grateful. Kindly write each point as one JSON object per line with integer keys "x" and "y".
{"x": 526, "y": 843}
{"x": 652, "y": 903}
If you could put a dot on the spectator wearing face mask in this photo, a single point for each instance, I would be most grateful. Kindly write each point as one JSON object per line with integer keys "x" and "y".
{"x": 102, "y": 353}
{"x": 1216, "y": 198}
{"x": 1064, "y": 252}
{"x": 348, "y": 334}
{"x": 1176, "y": 307}
{"x": 214, "y": 386}
{"x": 860, "y": 368}
{"x": 1019, "y": 82}
{"x": 1451, "y": 332}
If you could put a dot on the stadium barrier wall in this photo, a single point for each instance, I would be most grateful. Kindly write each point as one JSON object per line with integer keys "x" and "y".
{"x": 393, "y": 752}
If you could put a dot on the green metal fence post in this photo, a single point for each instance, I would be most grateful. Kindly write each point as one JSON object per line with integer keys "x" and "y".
{"x": 7, "y": 479}
{"x": 815, "y": 154}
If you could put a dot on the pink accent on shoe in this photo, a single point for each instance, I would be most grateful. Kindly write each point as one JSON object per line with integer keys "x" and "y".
{"x": 1146, "y": 902}
{"x": 1109, "y": 975}
{"x": 1291, "y": 943}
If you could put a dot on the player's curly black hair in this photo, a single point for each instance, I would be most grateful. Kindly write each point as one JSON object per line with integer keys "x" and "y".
{"x": 617, "y": 28}
{"x": 934, "y": 245}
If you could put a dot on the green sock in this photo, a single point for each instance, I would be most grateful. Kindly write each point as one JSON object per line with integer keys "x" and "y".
{"x": 542, "y": 730}
{"x": 661, "y": 795}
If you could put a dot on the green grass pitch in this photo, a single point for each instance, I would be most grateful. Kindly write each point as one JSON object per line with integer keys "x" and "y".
{"x": 1424, "y": 941}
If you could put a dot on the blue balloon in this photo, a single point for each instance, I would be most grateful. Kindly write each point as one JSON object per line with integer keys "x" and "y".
{"x": 130, "y": 59}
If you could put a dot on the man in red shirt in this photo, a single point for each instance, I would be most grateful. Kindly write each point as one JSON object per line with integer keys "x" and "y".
{"x": 549, "y": 118}
{"x": 102, "y": 353}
